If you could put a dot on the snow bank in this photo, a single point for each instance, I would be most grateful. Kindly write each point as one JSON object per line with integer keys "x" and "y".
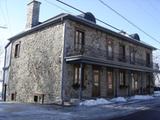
{"x": 99, "y": 101}
{"x": 156, "y": 93}
{"x": 119, "y": 99}
{"x": 141, "y": 97}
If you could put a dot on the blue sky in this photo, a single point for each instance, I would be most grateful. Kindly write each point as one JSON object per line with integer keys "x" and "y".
{"x": 143, "y": 13}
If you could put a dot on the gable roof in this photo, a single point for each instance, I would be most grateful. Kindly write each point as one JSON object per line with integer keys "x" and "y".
{"x": 63, "y": 16}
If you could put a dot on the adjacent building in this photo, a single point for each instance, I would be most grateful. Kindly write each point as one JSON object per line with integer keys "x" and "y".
{"x": 71, "y": 56}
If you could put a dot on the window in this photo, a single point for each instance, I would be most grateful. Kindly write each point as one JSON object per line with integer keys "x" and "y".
{"x": 17, "y": 50}
{"x": 79, "y": 40}
{"x": 13, "y": 96}
{"x": 122, "y": 81}
{"x": 122, "y": 52}
{"x": 96, "y": 77}
{"x": 35, "y": 98}
{"x": 134, "y": 78}
{"x": 109, "y": 49}
{"x": 148, "y": 60}
{"x": 110, "y": 80}
{"x": 132, "y": 55}
{"x": 77, "y": 77}
{"x": 39, "y": 98}
{"x": 77, "y": 74}
{"x": 96, "y": 82}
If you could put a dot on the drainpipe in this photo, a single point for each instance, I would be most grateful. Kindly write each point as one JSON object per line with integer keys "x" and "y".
{"x": 129, "y": 81}
{"x": 81, "y": 77}
{"x": 4, "y": 87}
{"x": 63, "y": 63}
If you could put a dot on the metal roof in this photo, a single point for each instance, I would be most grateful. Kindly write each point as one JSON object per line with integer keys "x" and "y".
{"x": 65, "y": 16}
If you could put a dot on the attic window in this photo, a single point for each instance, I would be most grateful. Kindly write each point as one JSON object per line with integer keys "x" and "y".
{"x": 17, "y": 50}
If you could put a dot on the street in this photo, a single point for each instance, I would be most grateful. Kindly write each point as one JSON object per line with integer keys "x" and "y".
{"x": 132, "y": 110}
{"x": 151, "y": 114}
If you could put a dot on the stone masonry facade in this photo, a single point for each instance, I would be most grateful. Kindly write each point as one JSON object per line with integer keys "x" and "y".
{"x": 37, "y": 70}
{"x": 47, "y": 65}
{"x": 96, "y": 39}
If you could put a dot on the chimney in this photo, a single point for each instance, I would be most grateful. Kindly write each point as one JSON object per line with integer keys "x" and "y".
{"x": 32, "y": 14}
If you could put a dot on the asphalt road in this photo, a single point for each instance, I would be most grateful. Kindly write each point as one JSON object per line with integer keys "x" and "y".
{"x": 150, "y": 114}
{"x": 145, "y": 110}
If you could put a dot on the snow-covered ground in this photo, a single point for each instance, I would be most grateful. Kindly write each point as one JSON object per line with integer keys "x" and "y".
{"x": 101, "y": 101}
{"x": 107, "y": 110}
{"x": 156, "y": 93}
{"x": 142, "y": 97}
{"x": 119, "y": 99}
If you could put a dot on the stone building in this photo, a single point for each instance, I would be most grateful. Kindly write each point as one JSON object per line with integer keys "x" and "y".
{"x": 71, "y": 56}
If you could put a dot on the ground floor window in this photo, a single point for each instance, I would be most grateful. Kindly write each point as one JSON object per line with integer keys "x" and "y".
{"x": 38, "y": 98}
{"x": 134, "y": 80}
{"x": 110, "y": 83}
{"x": 77, "y": 77}
{"x": 122, "y": 79}
{"x": 13, "y": 96}
{"x": 35, "y": 98}
{"x": 96, "y": 82}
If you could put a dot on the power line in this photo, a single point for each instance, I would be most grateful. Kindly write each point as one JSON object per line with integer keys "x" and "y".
{"x": 84, "y": 13}
{"x": 3, "y": 14}
{"x": 51, "y": 3}
{"x": 9, "y": 25}
{"x": 147, "y": 11}
{"x": 3, "y": 27}
{"x": 134, "y": 25}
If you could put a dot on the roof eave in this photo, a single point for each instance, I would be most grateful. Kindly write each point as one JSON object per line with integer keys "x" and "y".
{"x": 83, "y": 21}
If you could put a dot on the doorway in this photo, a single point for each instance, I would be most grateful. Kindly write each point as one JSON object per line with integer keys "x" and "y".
{"x": 110, "y": 84}
{"x": 96, "y": 83}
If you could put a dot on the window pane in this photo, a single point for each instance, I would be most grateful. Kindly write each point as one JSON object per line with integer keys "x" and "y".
{"x": 76, "y": 75}
{"x": 79, "y": 39}
{"x": 110, "y": 80}
{"x": 96, "y": 77}
{"x": 122, "y": 78}
{"x": 17, "y": 50}
{"x": 109, "y": 49}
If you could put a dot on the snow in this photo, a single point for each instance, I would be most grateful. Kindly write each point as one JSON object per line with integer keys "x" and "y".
{"x": 119, "y": 99}
{"x": 99, "y": 101}
{"x": 142, "y": 97}
{"x": 156, "y": 93}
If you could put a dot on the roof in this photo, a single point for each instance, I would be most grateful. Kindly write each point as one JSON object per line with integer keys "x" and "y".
{"x": 64, "y": 16}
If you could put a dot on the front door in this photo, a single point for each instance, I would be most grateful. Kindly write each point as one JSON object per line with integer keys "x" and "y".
{"x": 110, "y": 84}
{"x": 96, "y": 83}
{"x": 134, "y": 86}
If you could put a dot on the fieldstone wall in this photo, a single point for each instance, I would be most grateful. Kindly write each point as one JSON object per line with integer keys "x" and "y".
{"x": 95, "y": 46}
{"x": 37, "y": 70}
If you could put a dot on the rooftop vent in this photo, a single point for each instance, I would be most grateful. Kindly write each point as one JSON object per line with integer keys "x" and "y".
{"x": 88, "y": 16}
{"x": 135, "y": 36}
